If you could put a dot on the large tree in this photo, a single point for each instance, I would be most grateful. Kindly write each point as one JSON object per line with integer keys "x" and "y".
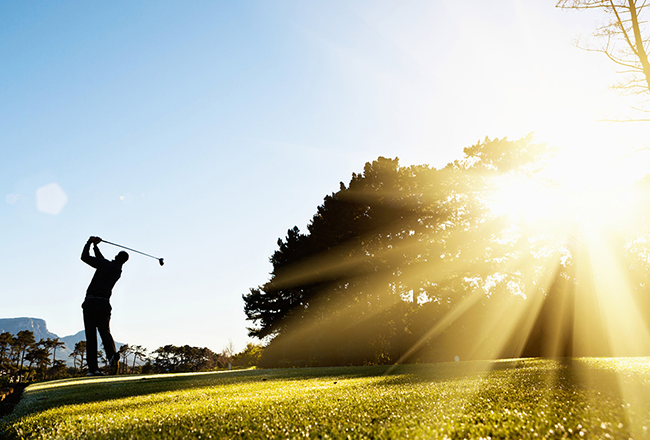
{"x": 39, "y": 355}
{"x": 22, "y": 342}
{"x": 139, "y": 352}
{"x": 394, "y": 242}
{"x": 356, "y": 244}
{"x": 54, "y": 344}
{"x": 78, "y": 354}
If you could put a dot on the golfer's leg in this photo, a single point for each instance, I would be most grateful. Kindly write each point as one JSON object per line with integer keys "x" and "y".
{"x": 103, "y": 325}
{"x": 90, "y": 327}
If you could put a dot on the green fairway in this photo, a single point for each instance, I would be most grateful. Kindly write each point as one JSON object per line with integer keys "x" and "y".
{"x": 585, "y": 398}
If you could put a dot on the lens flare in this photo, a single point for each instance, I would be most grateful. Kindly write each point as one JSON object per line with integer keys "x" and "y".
{"x": 51, "y": 199}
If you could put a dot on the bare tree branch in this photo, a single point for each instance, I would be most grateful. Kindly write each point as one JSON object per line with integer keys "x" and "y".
{"x": 625, "y": 27}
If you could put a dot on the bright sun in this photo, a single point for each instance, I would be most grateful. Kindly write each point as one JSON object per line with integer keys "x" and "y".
{"x": 568, "y": 195}
{"x": 527, "y": 200}
{"x": 578, "y": 218}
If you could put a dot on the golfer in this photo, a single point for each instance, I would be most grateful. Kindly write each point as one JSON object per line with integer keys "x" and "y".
{"x": 96, "y": 306}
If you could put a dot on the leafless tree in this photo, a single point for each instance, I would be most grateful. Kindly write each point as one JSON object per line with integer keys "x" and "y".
{"x": 625, "y": 38}
{"x": 226, "y": 355}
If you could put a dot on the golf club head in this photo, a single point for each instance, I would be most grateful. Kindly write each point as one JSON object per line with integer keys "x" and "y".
{"x": 160, "y": 260}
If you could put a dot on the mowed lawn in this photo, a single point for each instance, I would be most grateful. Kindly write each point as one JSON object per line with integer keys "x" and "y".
{"x": 533, "y": 398}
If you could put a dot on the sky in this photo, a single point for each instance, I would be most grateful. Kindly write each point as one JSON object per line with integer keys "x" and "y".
{"x": 200, "y": 132}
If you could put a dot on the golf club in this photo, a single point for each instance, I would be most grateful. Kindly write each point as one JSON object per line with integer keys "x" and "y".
{"x": 160, "y": 260}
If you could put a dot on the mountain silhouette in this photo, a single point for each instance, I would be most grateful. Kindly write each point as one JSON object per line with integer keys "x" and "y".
{"x": 35, "y": 325}
{"x": 39, "y": 328}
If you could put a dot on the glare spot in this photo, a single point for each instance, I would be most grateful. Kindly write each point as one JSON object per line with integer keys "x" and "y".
{"x": 11, "y": 199}
{"x": 51, "y": 199}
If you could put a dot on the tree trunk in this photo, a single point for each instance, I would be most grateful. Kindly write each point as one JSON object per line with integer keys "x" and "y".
{"x": 638, "y": 42}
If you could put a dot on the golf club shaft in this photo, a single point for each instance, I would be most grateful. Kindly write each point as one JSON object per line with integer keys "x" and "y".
{"x": 124, "y": 247}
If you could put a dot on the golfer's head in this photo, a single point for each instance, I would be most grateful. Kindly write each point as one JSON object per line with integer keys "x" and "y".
{"x": 122, "y": 257}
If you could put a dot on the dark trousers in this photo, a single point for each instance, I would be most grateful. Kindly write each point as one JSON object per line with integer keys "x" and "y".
{"x": 97, "y": 317}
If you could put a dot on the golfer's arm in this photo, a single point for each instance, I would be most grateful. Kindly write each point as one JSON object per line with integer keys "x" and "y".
{"x": 97, "y": 253}
{"x": 85, "y": 256}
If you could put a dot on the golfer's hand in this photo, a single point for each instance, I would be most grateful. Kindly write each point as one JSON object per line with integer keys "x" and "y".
{"x": 95, "y": 240}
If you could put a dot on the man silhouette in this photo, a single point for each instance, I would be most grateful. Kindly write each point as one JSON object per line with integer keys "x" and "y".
{"x": 97, "y": 307}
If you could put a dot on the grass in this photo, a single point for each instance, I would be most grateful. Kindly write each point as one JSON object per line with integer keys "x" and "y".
{"x": 534, "y": 398}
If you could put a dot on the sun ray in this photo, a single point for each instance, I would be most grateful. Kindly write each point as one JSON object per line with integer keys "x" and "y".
{"x": 626, "y": 330}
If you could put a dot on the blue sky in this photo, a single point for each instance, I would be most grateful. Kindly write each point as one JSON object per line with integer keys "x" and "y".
{"x": 201, "y": 131}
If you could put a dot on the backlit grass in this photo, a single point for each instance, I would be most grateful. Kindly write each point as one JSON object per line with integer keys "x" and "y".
{"x": 587, "y": 398}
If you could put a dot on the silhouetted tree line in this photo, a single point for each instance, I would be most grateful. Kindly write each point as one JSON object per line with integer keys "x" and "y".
{"x": 410, "y": 264}
{"x": 173, "y": 359}
{"x": 22, "y": 358}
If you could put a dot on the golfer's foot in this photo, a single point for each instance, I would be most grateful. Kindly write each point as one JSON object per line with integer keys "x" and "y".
{"x": 95, "y": 373}
{"x": 115, "y": 365}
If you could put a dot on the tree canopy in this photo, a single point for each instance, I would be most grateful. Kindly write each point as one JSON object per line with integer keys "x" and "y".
{"x": 401, "y": 257}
